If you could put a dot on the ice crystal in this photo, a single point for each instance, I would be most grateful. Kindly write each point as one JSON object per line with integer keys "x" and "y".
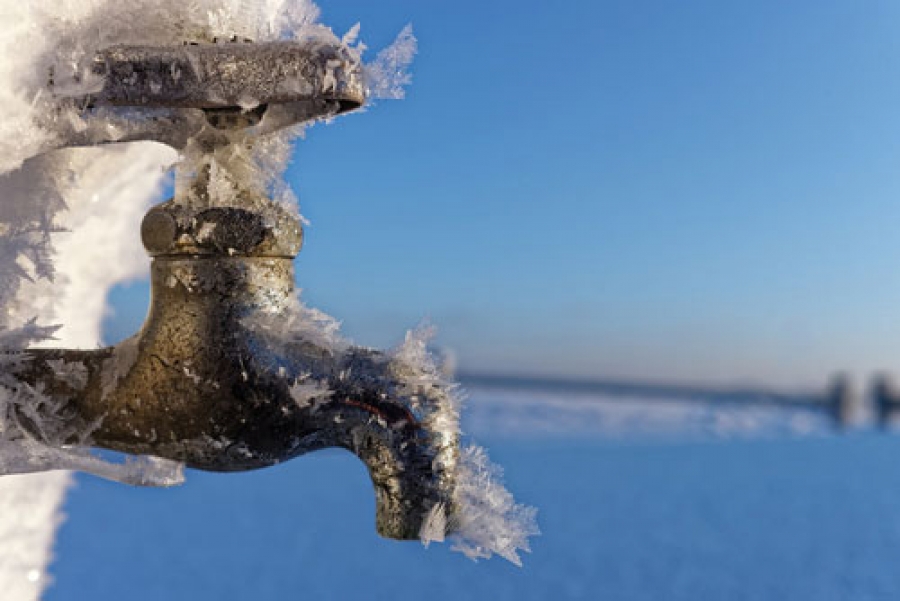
{"x": 486, "y": 519}
{"x": 309, "y": 393}
{"x": 434, "y": 526}
{"x": 298, "y": 324}
{"x": 389, "y": 75}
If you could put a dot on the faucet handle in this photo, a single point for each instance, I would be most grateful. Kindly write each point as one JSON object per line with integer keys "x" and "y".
{"x": 231, "y": 75}
{"x": 171, "y": 93}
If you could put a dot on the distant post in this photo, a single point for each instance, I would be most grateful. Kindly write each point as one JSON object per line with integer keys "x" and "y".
{"x": 842, "y": 400}
{"x": 885, "y": 399}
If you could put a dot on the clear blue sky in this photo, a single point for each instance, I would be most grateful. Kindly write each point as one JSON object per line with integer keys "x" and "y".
{"x": 673, "y": 190}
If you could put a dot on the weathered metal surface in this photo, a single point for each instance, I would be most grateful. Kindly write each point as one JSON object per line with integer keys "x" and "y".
{"x": 174, "y": 94}
{"x": 173, "y": 229}
{"x": 227, "y": 75}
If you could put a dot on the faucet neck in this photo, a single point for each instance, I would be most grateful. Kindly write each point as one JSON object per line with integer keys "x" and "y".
{"x": 219, "y": 167}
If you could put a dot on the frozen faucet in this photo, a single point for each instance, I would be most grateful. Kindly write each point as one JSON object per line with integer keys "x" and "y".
{"x": 209, "y": 380}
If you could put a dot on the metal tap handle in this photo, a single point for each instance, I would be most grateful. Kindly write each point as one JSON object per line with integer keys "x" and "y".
{"x": 227, "y": 75}
{"x": 169, "y": 94}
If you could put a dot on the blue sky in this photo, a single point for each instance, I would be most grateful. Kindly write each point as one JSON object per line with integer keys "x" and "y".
{"x": 671, "y": 190}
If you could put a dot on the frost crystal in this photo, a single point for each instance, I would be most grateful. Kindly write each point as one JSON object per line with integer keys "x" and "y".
{"x": 487, "y": 520}
{"x": 388, "y": 75}
{"x": 307, "y": 394}
{"x": 35, "y": 436}
{"x": 299, "y": 324}
{"x": 434, "y": 527}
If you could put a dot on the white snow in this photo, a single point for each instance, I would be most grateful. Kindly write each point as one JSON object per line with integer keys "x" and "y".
{"x": 99, "y": 245}
{"x": 546, "y": 414}
{"x": 29, "y": 516}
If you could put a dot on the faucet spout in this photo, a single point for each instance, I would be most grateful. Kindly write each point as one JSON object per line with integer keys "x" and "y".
{"x": 396, "y": 426}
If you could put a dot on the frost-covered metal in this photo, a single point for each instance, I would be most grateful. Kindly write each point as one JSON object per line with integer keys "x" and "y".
{"x": 177, "y": 94}
{"x": 216, "y": 378}
{"x": 231, "y": 370}
{"x": 225, "y": 75}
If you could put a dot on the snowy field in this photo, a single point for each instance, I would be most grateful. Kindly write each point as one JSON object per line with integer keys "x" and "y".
{"x": 639, "y": 501}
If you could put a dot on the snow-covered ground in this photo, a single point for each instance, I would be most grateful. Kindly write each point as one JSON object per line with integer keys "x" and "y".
{"x": 533, "y": 412}
{"x": 778, "y": 514}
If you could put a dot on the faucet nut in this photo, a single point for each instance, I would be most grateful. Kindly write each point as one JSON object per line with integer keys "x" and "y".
{"x": 175, "y": 229}
{"x": 158, "y": 232}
